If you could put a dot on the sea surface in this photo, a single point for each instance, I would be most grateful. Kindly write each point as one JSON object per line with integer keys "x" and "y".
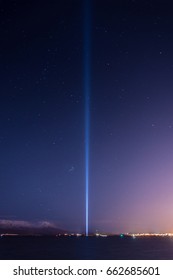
{"x": 86, "y": 248}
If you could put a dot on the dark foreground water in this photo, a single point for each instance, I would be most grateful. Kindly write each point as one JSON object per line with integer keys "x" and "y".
{"x": 81, "y": 248}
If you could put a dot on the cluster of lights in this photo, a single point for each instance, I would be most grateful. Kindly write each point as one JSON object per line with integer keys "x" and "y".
{"x": 8, "y": 234}
{"x": 69, "y": 234}
{"x": 101, "y": 235}
{"x": 150, "y": 234}
{"x": 134, "y": 235}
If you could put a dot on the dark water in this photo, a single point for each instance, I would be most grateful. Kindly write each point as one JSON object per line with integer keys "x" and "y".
{"x": 81, "y": 248}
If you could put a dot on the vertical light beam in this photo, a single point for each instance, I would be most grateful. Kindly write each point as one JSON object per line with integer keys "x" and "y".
{"x": 87, "y": 106}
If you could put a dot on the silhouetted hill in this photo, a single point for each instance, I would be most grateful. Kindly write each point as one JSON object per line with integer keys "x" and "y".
{"x": 43, "y": 228}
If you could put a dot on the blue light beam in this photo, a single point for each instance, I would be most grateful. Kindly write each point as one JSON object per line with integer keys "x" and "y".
{"x": 87, "y": 93}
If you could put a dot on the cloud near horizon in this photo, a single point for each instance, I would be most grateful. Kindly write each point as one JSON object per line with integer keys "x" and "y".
{"x": 27, "y": 224}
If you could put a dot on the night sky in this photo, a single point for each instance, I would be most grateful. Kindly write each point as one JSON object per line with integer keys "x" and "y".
{"x": 42, "y": 114}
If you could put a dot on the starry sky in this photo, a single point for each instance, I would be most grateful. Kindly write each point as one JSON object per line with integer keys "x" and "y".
{"x": 42, "y": 114}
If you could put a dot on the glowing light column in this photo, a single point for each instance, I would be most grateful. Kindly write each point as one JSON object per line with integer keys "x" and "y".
{"x": 87, "y": 105}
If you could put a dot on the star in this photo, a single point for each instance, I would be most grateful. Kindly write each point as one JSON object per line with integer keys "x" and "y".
{"x": 71, "y": 169}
